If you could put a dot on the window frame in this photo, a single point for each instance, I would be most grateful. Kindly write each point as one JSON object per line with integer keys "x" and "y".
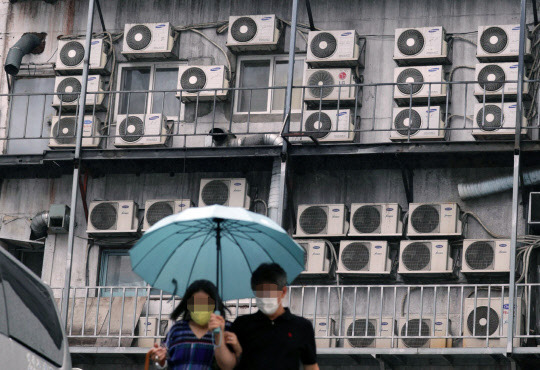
{"x": 274, "y": 59}
{"x": 150, "y": 100}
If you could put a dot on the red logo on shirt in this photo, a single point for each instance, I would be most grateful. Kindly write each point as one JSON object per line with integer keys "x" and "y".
{"x": 290, "y": 335}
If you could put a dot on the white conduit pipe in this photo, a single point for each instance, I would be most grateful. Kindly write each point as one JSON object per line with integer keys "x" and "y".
{"x": 273, "y": 197}
{"x": 496, "y": 185}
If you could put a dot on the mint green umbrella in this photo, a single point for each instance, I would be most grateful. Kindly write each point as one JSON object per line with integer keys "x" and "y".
{"x": 221, "y": 244}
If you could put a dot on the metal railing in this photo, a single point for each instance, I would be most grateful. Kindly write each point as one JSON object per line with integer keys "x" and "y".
{"x": 362, "y": 317}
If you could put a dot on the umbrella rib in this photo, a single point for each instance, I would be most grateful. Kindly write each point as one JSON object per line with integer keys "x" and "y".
{"x": 256, "y": 242}
{"x": 195, "y": 259}
{"x": 233, "y": 239}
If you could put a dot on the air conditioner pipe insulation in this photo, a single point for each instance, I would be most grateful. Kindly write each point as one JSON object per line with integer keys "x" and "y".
{"x": 40, "y": 224}
{"x": 258, "y": 139}
{"x": 25, "y": 45}
{"x": 496, "y": 185}
{"x": 273, "y": 197}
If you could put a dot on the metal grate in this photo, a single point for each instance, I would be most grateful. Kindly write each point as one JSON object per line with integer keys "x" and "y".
{"x": 323, "y": 45}
{"x": 493, "y": 40}
{"x": 367, "y": 219}
{"x": 481, "y": 326}
{"x": 139, "y": 37}
{"x": 131, "y": 129}
{"x": 318, "y": 125}
{"x": 313, "y": 220}
{"x": 425, "y": 218}
{"x": 410, "y": 42}
{"x": 72, "y": 54}
{"x": 215, "y": 192}
{"x": 321, "y": 79}
{"x": 158, "y": 211}
{"x": 491, "y": 77}
{"x": 407, "y": 122}
{"x": 412, "y": 330}
{"x": 193, "y": 79}
{"x": 416, "y": 256}
{"x": 360, "y": 331}
{"x": 64, "y": 130}
{"x": 68, "y": 85}
{"x": 244, "y": 29}
{"x": 104, "y": 216}
{"x": 490, "y": 118}
{"x": 407, "y": 76}
{"x": 480, "y": 255}
{"x": 355, "y": 256}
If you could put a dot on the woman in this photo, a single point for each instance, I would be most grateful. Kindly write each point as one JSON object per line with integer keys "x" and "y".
{"x": 188, "y": 345}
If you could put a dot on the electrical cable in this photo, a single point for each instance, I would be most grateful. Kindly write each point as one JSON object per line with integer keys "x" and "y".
{"x": 464, "y": 39}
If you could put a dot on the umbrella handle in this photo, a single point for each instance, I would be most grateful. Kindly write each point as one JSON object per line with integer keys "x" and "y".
{"x": 217, "y": 332}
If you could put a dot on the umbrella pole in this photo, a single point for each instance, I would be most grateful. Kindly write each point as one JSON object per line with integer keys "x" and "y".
{"x": 218, "y": 246}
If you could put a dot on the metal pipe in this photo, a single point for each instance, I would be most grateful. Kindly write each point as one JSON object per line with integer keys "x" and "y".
{"x": 273, "y": 197}
{"x": 75, "y": 182}
{"x": 40, "y": 224}
{"x": 25, "y": 45}
{"x": 310, "y": 16}
{"x": 535, "y": 12}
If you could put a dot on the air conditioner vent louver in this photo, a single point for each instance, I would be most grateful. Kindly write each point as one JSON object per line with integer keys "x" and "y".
{"x": 131, "y": 129}
{"x": 244, "y": 29}
{"x": 416, "y": 256}
{"x": 425, "y": 218}
{"x": 313, "y": 220}
{"x": 493, "y": 40}
{"x": 318, "y": 125}
{"x": 360, "y": 331}
{"x": 480, "y": 322}
{"x": 72, "y": 53}
{"x": 479, "y": 255}
{"x": 366, "y": 219}
{"x": 490, "y": 118}
{"x": 193, "y": 79}
{"x": 306, "y": 248}
{"x": 158, "y": 211}
{"x": 322, "y": 79}
{"x": 215, "y": 192}
{"x": 68, "y": 85}
{"x": 139, "y": 37}
{"x": 323, "y": 45}
{"x": 408, "y": 122}
{"x": 412, "y": 329}
{"x": 410, "y": 42}
{"x": 355, "y": 256}
{"x": 410, "y": 75}
{"x": 103, "y": 216}
{"x": 491, "y": 77}
{"x": 64, "y": 130}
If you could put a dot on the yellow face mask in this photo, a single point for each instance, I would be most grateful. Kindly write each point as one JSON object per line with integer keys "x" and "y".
{"x": 201, "y": 315}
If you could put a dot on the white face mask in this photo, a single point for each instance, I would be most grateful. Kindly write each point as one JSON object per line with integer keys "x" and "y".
{"x": 268, "y": 306}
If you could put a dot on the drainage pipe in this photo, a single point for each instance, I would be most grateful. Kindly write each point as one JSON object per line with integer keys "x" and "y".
{"x": 25, "y": 45}
{"x": 496, "y": 185}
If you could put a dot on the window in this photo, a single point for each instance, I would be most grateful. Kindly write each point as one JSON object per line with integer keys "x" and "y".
{"x": 267, "y": 71}
{"x": 116, "y": 271}
{"x": 148, "y": 76}
{"x": 29, "y": 114}
{"x": 33, "y": 259}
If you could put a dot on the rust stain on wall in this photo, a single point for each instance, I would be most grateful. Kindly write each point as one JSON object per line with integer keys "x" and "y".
{"x": 70, "y": 17}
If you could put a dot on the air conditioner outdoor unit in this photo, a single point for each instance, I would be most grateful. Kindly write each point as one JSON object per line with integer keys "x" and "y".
{"x": 434, "y": 219}
{"x": 319, "y": 87}
{"x": 71, "y": 56}
{"x": 64, "y": 132}
{"x": 420, "y": 46}
{"x": 364, "y": 257}
{"x": 420, "y": 91}
{"x": 418, "y": 123}
{"x": 316, "y": 257}
{"x": 140, "y": 130}
{"x": 68, "y": 90}
{"x": 149, "y": 40}
{"x": 424, "y": 257}
{"x": 333, "y": 49}
{"x": 376, "y": 219}
{"x": 112, "y": 217}
{"x": 421, "y": 330}
{"x": 324, "y": 126}
{"x": 323, "y": 328}
{"x": 366, "y": 332}
{"x": 500, "y": 43}
{"x": 321, "y": 220}
{"x": 157, "y": 209}
{"x": 148, "y": 327}
{"x": 491, "y": 84}
{"x": 253, "y": 33}
{"x": 225, "y": 192}
{"x": 485, "y": 256}
{"x": 489, "y": 322}
{"x": 200, "y": 82}
{"x": 497, "y": 121}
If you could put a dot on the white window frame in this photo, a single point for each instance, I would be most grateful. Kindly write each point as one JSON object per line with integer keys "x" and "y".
{"x": 149, "y": 102}
{"x": 273, "y": 61}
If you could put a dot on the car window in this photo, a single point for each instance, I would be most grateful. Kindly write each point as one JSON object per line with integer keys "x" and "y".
{"x": 32, "y": 318}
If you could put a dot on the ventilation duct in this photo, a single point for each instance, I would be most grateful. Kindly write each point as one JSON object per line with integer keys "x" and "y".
{"x": 39, "y": 225}
{"x": 496, "y": 185}
{"x": 222, "y": 138}
{"x": 25, "y": 45}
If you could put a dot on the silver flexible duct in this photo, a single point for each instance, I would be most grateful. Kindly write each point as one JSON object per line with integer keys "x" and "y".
{"x": 496, "y": 185}
{"x": 273, "y": 197}
{"x": 40, "y": 224}
{"x": 257, "y": 139}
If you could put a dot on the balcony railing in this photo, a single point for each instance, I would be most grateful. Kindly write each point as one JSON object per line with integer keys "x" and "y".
{"x": 346, "y": 318}
{"x": 365, "y": 116}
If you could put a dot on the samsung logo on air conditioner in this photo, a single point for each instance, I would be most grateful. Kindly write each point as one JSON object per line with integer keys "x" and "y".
{"x": 438, "y": 323}
{"x": 378, "y": 246}
{"x": 335, "y": 210}
{"x": 215, "y": 69}
{"x": 91, "y": 78}
{"x": 87, "y": 122}
{"x": 503, "y": 245}
{"x": 433, "y": 30}
{"x": 94, "y": 42}
{"x": 506, "y": 306}
{"x": 448, "y": 208}
{"x": 438, "y": 246}
{"x": 513, "y": 106}
{"x": 125, "y": 206}
{"x": 515, "y": 28}
{"x": 266, "y": 18}
{"x": 160, "y": 25}
{"x": 237, "y": 183}
{"x": 153, "y": 118}
{"x": 514, "y": 66}
{"x": 384, "y": 323}
{"x": 322, "y": 324}
{"x": 433, "y": 69}
{"x": 431, "y": 110}
{"x": 316, "y": 247}
{"x": 342, "y": 113}
{"x": 389, "y": 209}
{"x": 346, "y": 34}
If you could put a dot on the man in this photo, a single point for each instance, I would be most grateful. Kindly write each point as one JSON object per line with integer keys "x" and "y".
{"x": 273, "y": 338}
